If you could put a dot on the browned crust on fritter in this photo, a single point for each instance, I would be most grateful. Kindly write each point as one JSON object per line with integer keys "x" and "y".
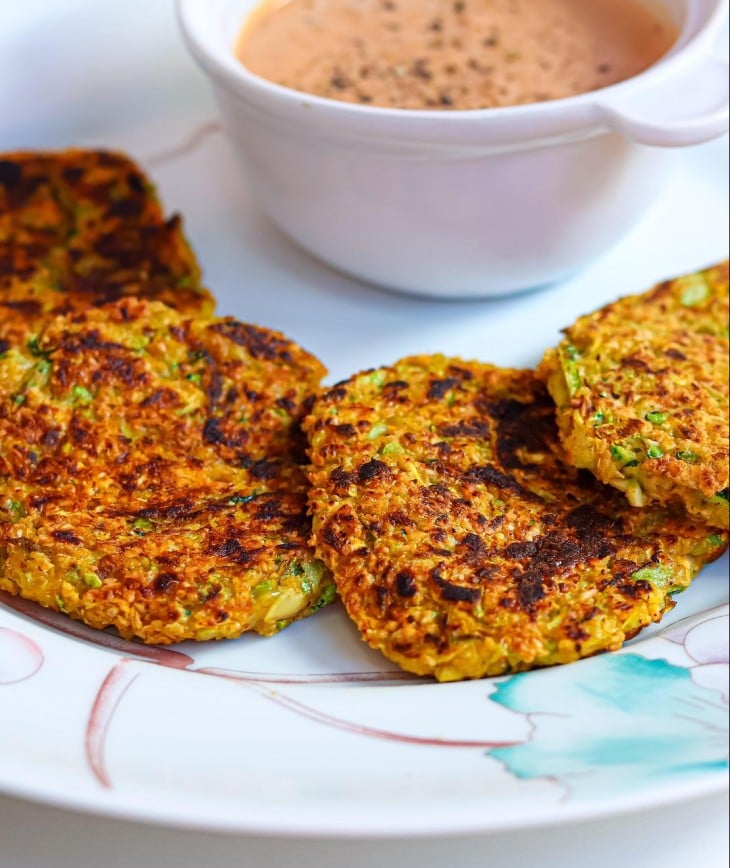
{"x": 150, "y": 474}
{"x": 82, "y": 228}
{"x": 461, "y": 541}
{"x": 641, "y": 387}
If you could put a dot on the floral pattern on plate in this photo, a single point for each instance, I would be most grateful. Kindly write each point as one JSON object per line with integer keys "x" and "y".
{"x": 659, "y": 720}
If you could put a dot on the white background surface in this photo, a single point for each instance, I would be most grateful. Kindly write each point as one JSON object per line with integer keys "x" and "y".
{"x": 96, "y": 73}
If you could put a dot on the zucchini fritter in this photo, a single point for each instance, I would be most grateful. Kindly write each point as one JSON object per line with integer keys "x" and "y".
{"x": 462, "y": 543}
{"x": 80, "y": 229}
{"x": 150, "y": 474}
{"x": 642, "y": 393}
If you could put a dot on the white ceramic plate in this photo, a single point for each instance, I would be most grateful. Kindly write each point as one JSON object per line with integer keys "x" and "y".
{"x": 310, "y": 732}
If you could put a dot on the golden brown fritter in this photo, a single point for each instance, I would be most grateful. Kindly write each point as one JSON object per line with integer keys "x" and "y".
{"x": 150, "y": 474}
{"x": 642, "y": 393}
{"x": 461, "y": 541}
{"x": 82, "y": 228}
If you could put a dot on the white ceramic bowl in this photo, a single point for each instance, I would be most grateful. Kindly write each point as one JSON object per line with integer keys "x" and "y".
{"x": 464, "y": 203}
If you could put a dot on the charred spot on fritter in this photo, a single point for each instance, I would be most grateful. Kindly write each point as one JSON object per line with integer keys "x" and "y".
{"x": 346, "y": 430}
{"x": 474, "y": 548}
{"x": 342, "y": 478}
{"x": 10, "y": 173}
{"x": 524, "y": 429}
{"x": 372, "y": 469}
{"x": 452, "y": 592}
{"x": 261, "y": 343}
{"x": 490, "y": 475}
{"x": 405, "y": 584}
{"x": 465, "y": 428}
{"x": 437, "y": 389}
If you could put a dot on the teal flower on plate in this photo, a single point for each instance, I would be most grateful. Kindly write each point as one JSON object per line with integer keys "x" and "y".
{"x": 614, "y": 723}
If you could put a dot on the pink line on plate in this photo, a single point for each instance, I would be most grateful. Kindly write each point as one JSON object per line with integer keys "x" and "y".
{"x": 24, "y": 659}
{"x": 313, "y": 714}
{"x": 110, "y": 694}
{"x": 186, "y": 147}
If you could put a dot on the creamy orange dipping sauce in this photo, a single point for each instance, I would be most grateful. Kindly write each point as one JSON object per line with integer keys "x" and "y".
{"x": 468, "y": 54}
